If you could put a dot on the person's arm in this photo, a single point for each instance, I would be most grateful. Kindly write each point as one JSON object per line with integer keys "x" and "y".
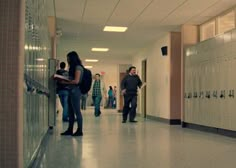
{"x": 139, "y": 82}
{"x": 123, "y": 87}
{"x": 143, "y": 84}
{"x": 75, "y": 81}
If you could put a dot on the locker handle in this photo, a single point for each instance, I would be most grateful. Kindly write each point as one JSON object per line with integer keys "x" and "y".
{"x": 215, "y": 94}
{"x": 222, "y": 96}
{"x": 231, "y": 93}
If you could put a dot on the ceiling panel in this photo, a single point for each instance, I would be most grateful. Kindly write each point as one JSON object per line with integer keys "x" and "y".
{"x": 159, "y": 10}
{"x": 127, "y": 11}
{"x": 188, "y": 10}
{"x": 213, "y": 10}
{"x": 98, "y": 11}
{"x": 70, "y": 10}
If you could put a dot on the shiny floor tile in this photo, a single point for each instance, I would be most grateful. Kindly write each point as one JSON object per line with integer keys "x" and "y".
{"x": 108, "y": 143}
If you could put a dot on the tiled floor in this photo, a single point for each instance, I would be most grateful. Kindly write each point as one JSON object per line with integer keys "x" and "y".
{"x": 108, "y": 143}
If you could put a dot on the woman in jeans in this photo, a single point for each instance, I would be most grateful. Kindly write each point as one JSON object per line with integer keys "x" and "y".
{"x": 75, "y": 75}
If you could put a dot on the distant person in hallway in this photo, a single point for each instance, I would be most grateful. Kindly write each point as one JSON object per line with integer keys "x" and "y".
{"x": 75, "y": 76}
{"x": 129, "y": 88}
{"x": 84, "y": 101}
{"x": 63, "y": 91}
{"x": 110, "y": 97}
{"x": 114, "y": 97}
{"x": 98, "y": 91}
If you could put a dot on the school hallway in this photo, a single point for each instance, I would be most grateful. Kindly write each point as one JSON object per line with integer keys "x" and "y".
{"x": 108, "y": 143}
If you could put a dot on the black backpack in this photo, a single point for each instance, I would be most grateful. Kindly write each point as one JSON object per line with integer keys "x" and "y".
{"x": 85, "y": 84}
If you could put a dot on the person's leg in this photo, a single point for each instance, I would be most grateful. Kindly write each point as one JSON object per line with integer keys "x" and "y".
{"x": 114, "y": 103}
{"x": 82, "y": 102}
{"x": 94, "y": 102}
{"x": 110, "y": 102}
{"x": 97, "y": 101}
{"x": 126, "y": 107}
{"x": 85, "y": 102}
{"x": 132, "y": 113}
{"x": 75, "y": 101}
{"x": 69, "y": 130}
{"x": 99, "y": 104}
{"x": 63, "y": 95}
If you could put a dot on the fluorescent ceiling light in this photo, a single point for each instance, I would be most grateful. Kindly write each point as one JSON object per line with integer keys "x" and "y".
{"x": 88, "y": 66}
{"x": 91, "y": 60}
{"x": 100, "y": 49}
{"x": 115, "y": 29}
{"x": 40, "y": 59}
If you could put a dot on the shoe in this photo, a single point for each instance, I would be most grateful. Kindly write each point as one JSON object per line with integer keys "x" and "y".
{"x": 67, "y": 132}
{"x": 78, "y": 133}
{"x": 124, "y": 121}
{"x": 133, "y": 121}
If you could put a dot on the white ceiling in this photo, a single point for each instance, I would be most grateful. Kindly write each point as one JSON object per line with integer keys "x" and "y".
{"x": 82, "y": 22}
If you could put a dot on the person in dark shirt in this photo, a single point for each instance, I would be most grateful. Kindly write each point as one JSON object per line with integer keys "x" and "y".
{"x": 63, "y": 91}
{"x": 129, "y": 88}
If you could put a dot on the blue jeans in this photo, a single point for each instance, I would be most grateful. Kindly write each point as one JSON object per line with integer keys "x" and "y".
{"x": 63, "y": 95}
{"x": 74, "y": 109}
{"x": 83, "y": 102}
{"x": 110, "y": 101}
{"x": 97, "y": 101}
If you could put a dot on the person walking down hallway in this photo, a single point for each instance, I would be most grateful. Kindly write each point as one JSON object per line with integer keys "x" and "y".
{"x": 75, "y": 76}
{"x": 97, "y": 94}
{"x": 129, "y": 88}
{"x": 63, "y": 91}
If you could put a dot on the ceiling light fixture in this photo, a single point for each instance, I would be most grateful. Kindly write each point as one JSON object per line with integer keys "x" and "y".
{"x": 100, "y": 49}
{"x": 88, "y": 66}
{"x": 115, "y": 29}
{"x": 91, "y": 60}
{"x": 40, "y": 59}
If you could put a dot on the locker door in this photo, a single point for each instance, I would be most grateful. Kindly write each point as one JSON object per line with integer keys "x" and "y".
{"x": 214, "y": 94}
{"x": 186, "y": 89}
{"x": 224, "y": 113}
{"x": 201, "y": 93}
{"x": 233, "y": 92}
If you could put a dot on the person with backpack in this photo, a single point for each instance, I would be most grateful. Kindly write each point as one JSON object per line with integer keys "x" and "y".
{"x": 98, "y": 91}
{"x": 76, "y": 71}
{"x": 63, "y": 91}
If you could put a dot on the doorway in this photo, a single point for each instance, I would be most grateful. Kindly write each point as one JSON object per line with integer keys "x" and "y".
{"x": 144, "y": 89}
{"x": 121, "y": 104}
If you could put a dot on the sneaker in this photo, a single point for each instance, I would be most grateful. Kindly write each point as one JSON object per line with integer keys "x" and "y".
{"x": 124, "y": 121}
{"x": 67, "y": 132}
{"x": 77, "y": 133}
{"x": 133, "y": 121}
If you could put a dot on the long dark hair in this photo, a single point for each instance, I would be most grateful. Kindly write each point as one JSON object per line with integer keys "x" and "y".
{"x": 73, "y": 61}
